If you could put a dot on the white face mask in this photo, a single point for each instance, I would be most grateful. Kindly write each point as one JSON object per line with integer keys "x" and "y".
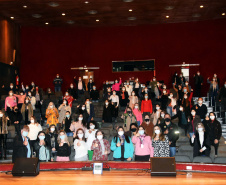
{"x": 83, "y": 108}
{"x": 146, "y": 97}
{"x": 10, "y": 94}
{"x": 162, "y": 115}
{"x": 212, "y": 117}
{"x": 65, "y": 102}
{"x": 11, "y": 86}
{"x": 200, "y": 102}
{"x": 99, "y": 137}
{"x": 32, "y": 121}
{"x": 87, "y": 102}
{"x": 133, "y": 94}
{"x": 164, "y": 92}
{"x": 193, "y": 113}
{"x": 72, "y": 86}
{"x": 1, "y": 115}
{"x": 80, "y": 118}
{"x": 186, "y": 83}
{"x": 200, "y": 129}
{"x": 66, "y": 94}
{"x": 27, "y": 101}
{"x": 51, "y": 106}
{"x": 120, "y": 133}
{"x": 157, "y": 131}
{"x": 181, "y": 109}
{"x": 52, "y": 129}
{"x": 136, "y": 107}
{"x": 92, "y": 126}
{"x": 80, "y": 136}
{"x": 114, "y": 93}
{"x": 106, "y": 103}
{"x": 157, "y": 108}
{"x": 123, "y": 89}
{"x": 154, "y": 80}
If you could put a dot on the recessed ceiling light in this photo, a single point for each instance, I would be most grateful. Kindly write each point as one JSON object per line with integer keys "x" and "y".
{"x": 36, "y": 15}
{"x": 53, "y": 4}
{"x": 196, "y": 15}
{"x": 11, "y": 17}
{"x": 131, "y": 18}
{"x": 201, "y": 6}
{"x": 127, "y": 1}
{"x": 169, "y": 7}
{"x": 70, "y": 22}
{"x": 86, "y": 2}
{"x": 223, "y": 14}
{"x": 63, "y": 14}
{"x": 167, "y": 16}
{"x": 97, "y": 20}
{"x": 92, "y": 12}
{"x": 46, "y": 23}
{"x": 130, "y": 10}
{"x": 24, "y": 6}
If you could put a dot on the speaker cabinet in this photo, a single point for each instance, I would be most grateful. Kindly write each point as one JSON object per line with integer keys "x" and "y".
{"x": 163, "y": 166}
{"x": 26, "y": 167}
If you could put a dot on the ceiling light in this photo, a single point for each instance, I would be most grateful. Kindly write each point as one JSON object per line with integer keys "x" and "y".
{"x": 92, "y": 12}
{"x": 36, "y": 15}
{"x": 86, "y": 2}
{"x": 53, "y": 4}
{"x": 63, "y": 14}
{"x": 223, "y": 14}
{"x": 130, "y": 10}
{"x": 167, "y": 17}
{"x": 127, "y": 1}
{"x": 70, "y": 22}
{"x": 11, "y": 17}
{"x": 169, "y": 7}
{"x": 24, "y": 6}
{"x": 131, "y": 18}
{"x": 201, "y": 6}
{"x": 46, "y": 23}
{"x": 97, "y": 20}
{"x": 196, "y": 15}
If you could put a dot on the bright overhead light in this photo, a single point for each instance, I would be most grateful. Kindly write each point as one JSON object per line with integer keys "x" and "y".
{"x": 86, "y": 2}
{"x": 24, "y": 6}
{"x": 167, "y": 16}
{"x": 223, "y": 14}
{"x": 97, "y": 20}
{"x": 130, "y": 10}
{"x": 201, "y": 6}
{"x": 46, "y": 23}
{"x": 63, "y": 14}
{"x": 128, "y": 1}
{"x": 11, "y": 17}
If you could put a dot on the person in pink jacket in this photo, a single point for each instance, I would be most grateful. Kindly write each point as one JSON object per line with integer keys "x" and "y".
{"x": 138, "y": 114}
{"x": 143, "y": 146}
{"x": 116, "y": 86}
{"x": 21, "y": 97}
{"x": 10, "y": 102}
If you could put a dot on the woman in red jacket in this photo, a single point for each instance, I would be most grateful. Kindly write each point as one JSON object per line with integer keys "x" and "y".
{"x": 146, "y": 106}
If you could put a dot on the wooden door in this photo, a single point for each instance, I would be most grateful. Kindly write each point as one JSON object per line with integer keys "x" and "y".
{"x": 86, "y": 75}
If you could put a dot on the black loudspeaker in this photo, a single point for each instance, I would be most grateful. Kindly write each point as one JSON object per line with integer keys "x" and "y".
{"x": 163, "y": 166}
{"x": 26, "y": 167}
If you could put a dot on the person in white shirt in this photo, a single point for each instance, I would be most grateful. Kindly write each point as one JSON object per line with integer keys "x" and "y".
{"x": 34, "y": 129}
{"x": 80, "y": 146}
{"x": 115, "y": 102}
{"x": 201, "y": 142}
{"x": 90, "y": 137}
{"x": 129, "y": 88}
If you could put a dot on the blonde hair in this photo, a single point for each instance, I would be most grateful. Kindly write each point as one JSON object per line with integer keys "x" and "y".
{"x": 52, "y": 104}
{"x": 201, "y": 124}
{"x": 65, "y": 139}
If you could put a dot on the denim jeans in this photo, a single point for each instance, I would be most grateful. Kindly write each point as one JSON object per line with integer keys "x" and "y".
{"x": 191, "y": 134}
{"x": 57, "y": 89}
{"x": 69, "y": 134}
{"x": 172, "y": 151}
{"x": 169, "y": 110}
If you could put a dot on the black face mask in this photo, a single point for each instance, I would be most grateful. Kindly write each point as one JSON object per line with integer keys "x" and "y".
{"x": 129, "y": 112}
{"x": 133, "y": 129}
{"x": 167, "y": 120}
{"x": 147, "y": 120}
{"x": 16, "y": 110}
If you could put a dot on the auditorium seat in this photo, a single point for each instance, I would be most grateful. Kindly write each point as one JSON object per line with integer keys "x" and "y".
{"x": 202, "y": 159}
{"x": 3, "y": 97}
{"x": 183, "y": 140}
{"x": 72, "y": 155}
{"x": 182, "y": 158}
{"x": 222, "y": 151}
{"x": 220, "y": 160}
{"x": 186, "y": 150}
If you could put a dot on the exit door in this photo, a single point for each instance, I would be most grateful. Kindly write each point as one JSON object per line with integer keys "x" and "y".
{"x": 86, "y": 75}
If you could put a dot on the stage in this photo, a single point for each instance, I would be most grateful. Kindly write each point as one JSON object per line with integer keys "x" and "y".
{"x": 113, "y": 177}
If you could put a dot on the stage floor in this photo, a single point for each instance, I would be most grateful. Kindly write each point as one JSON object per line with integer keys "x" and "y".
{"x": 113, "y": 177}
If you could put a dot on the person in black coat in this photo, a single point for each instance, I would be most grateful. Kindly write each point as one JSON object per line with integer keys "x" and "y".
{"x": 21, "y": 145}
{"x": 90, "y": 85}
{"x": 82, "y": 110}
{"x": 10, "y": 88}
{"x": 107, "y": 112}
{"x": 200, "y": 109}
{"x": 106, "y": 85}
{"x": 193, "y": 121}
{"x": 200, "y": 141}
{"x": 63, "y": 147}
{"x": 42, "y": 148}
{"x": 171, "y": 130}
{"x": 198, "y": 84}
{"x": 94, "y": 94}
{"x": 67, "y": 123}
{"x": 90, "y": 110}
{"x": 214, "y": 130}
{"x": 72, "y": 91}
{"x": 124, "y": 97}
{"x": 16, "y": 118}
{"x": 81, "y": 86}
{"x": 51, "y": 140}
{"x": 175, "y": 79}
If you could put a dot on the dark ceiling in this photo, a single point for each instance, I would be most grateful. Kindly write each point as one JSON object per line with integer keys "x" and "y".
{"x": 110, "y": 12}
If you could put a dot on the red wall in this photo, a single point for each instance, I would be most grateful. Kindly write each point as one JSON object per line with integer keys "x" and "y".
{"x": 50, "y": 50}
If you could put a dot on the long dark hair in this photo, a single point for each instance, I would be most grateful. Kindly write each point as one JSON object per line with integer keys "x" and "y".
{"x": 38, "y": 140}
{"x": 126, "y": 137}
{"x": 77, "y": 134}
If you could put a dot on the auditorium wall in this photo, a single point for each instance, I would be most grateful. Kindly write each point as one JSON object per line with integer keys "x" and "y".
{"x": 48, "y": 50}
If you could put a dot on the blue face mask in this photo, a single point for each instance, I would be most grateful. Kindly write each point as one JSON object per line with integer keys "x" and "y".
{"x": 62, "y": 137}
{"x": 41, "y": 137}
{"x": 68, "y": 116}
{"x": 25, "y": 133}
{"x": 141, "y": 132}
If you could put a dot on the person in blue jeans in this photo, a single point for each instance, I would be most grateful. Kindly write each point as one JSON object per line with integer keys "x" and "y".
{"x": 171, "y": 130}
{"x": 122, "y": 146}
{"x": 57, "y": 83}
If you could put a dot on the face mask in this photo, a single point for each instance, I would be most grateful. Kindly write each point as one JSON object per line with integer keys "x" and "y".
{"x": 87, "y": 102}
{"x": 186, "y": 84}
{"x": 147, "y": 120}
{"x": 1, "y": 115}
{"x": 32, "y": 121}
{"x": 181, "y": 76}
{"x": 11, "y": 86}
{"x": 167, "y": 120}
{"x": 90, "y": 81}
{"x": 72, "y": 86}
{"x": 109, "y": 90}
{"x": 171, "y": 96}
{"x": 224, "y": 85}
{"x": 200, "y": 102}
{"x": 141, "y": 132}
{"x": 164, "y": 87}
{"x": 176, "y": 74}
{"x": 145, "y": 90}
{"x": 27, "y": 87}
{"x": 146, "y": 97}
{"x": 33, "y": 84}
{"x": 212, "y": 117}
{"x": 106, "y": 103}
{"x": 27, "y": 101}
{"x": 185, "y": 90}
{"x": 185, "y": 97}
{"x": 181, "y": 109}
{"x": 83, "y": 108}
{"x": 200, "y": 129}
{"x": 198, "y": 73}
{"x": 25, "y": 133}
{"x": 52, "y": 129}
{"x": 114, "y": 93}
{"x": 29, "y": 94}
{"x": 120, "y": 133}
{"x": 136, "y": 107}
{"x": 215, "y": 76}
{"x": 127, "y": 83}
{"x": 16, "y": 110}
{"x": 162, "y": 115}
{"x": 80, "y": 79}
{"x": 62, "y": 137}
{"x": 51, "y": 106}
{"x": 10, "y": 94}
{"x": 129, "y": 112}
{"x": 154, "y": 80}
{"x": 193, "y": 113}
{"x": 134, "y": 93}
{"x": 57, "y": 76}
{"x": 68, "y": 116}
{"x": 107, "y": 83}
{"x": 41, "y": 137}
{"x": 94, "y": 88}
{"x": 133, "y": 130}
{"x": 21, "y": 94}
{"x": 157, "y": 108}
{"x": 123, "y": 89}
{"x": 66, "y": 94}
{"x": 92, "y": 126}
{"x": 80, "y": 136}
{"x": 157, "y": 131}
{"x": 65, "y": 102}
{"x": 80, "y": 118}
{"x": 164, "y": 92}
{"x": 99, "y": 137}
{"x": 116, "y": 81}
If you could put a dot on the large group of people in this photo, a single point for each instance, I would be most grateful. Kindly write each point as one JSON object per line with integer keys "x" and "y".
{"x": 148, "y": 111}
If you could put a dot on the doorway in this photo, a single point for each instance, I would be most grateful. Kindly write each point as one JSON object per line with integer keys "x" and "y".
{"x": 86, "y": 75}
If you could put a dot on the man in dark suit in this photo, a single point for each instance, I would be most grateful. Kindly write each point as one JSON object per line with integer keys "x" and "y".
{"x": 21, "y": 145}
